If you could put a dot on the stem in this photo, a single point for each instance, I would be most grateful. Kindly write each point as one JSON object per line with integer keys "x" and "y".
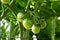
{"x": 53, "y": 38}
{"x": 21, "y": 30}
{"x": 27, "y": 37}
{"x": 5, "y": 11}
{"x": 27, "y": 6}
{"x": 11, "y": 9}
{"x": 11, "y": 2}
{"x": 4, "y": 14}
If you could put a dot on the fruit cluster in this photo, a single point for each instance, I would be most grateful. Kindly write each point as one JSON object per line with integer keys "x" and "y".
{"x": 28, "y": 23}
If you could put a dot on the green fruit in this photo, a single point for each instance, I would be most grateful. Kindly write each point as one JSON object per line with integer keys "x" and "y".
{"x": 35, "y": 29}
{"x": 27, "y": 23}
{"x": 20, "y": 17}
{"x": 5, "y": 1}
{"x": 43, "y": 25}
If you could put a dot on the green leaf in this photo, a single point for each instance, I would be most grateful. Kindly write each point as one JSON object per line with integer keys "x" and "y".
{"x": 12, "y": 32}
{"x": 22, "y": 3}
{"x": 57, "y": 38}
{"x": 58, "y": 26}
{"x": 50, "y": 29}
{"x": 3, "y": 32}
{"x": 56, "y": 6}
{"x": 26, "y": 34}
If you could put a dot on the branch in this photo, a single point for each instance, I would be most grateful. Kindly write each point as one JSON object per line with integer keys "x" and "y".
{"x": 5, "y": 11}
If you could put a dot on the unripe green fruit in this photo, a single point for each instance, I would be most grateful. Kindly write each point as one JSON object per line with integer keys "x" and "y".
{"x": 5, "y": 1}
{"x": 43, "y": 25}
{"x": 27, "y": 23}
{"x": 20, "y": 17}
{"x": 35, "y": 29}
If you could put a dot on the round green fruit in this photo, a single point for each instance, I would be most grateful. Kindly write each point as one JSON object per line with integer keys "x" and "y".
{"x": 20, "y": 17}
{"x": 27, "y": 23}
{"x": 35, "y": 29}
{"x": 43, "y": 25}
{"x": 5, "y": 1}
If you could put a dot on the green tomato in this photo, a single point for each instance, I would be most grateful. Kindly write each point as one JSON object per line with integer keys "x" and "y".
{"x": 43, "y": 25}
{"x": 27, "y": 23}
{"x": 35, "y": 29}
{"x": 5, "y": 1}
{"x": 20, "y": 17}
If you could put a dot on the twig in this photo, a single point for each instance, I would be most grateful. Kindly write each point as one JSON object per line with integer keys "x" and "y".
{"x": 5, "y": 11}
